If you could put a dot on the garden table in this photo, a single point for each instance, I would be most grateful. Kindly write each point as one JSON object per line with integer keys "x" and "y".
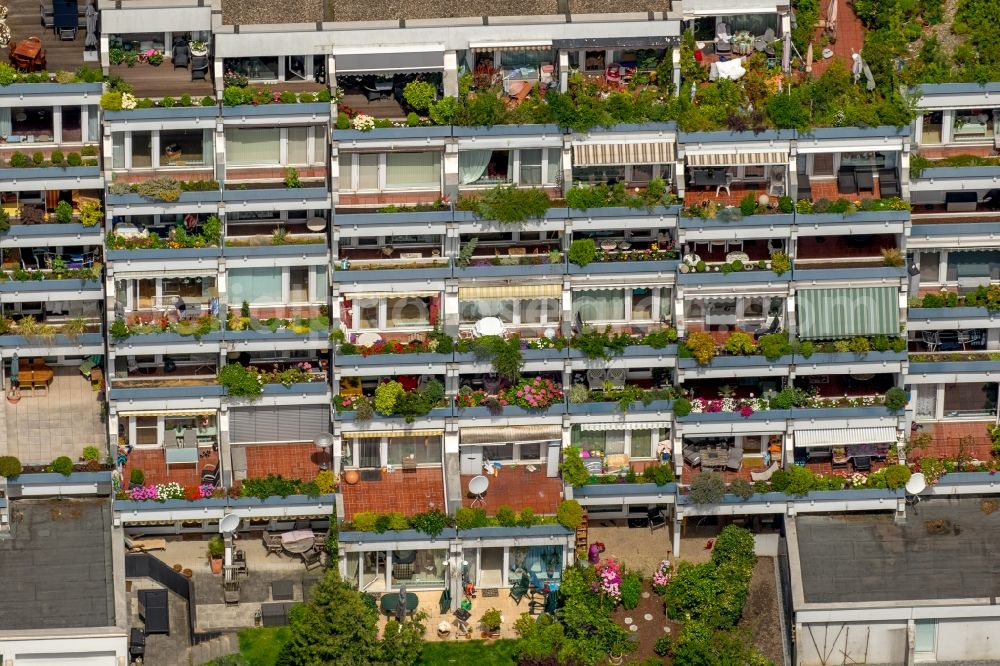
{"x": 488, "y": 326}
{"x": 390, "y": 602}
{"x": 714, "y": 457}
{"x": 298, "y": 541}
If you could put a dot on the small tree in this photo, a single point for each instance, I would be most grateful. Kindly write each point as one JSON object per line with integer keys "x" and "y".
{"x": 707, "y": 488}
{"x": 570, "y": 514}
{"x": 574, "y": 472}
{"x": 9, "y": 467}
{"x": 741, "y": 488}
{"x": 582, "y": 251}
{"x": 701, "y": 345}
{"x": 419, "y": 95}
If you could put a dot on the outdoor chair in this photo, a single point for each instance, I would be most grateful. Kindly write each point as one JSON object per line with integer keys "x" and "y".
{"x": 862, "y": 463}
{"x": 617, "y": 377}
{"x": 520, "y": 589}
{"x": 766, "y": 474}
{"x": 210, "y": 475}
{"x": 723, "y": 40}
{"x": 888, "y": 184}
{"x": 656, "y": 518}
{"x": 691, "y": 456}
{"x": 240, "y": 562}
{"x": 181, "y": 55}
{"x": 311, "y": 558}
{"x": 231, "y": 592}
{"x": 199, "y": 68}
{"x": 846, "y": 182}
{"x": 735, "y": 460}
{"x": 595, "y": 379}
{"x": 273, "y": 544}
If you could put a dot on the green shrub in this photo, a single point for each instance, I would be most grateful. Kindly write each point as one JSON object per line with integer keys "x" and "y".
{"x": 364, "y": 521}
{"x": 9, "y": 467}
{"x": 467, "y": 519}
{"x": 111, "y": 101}
{"x": 412, "y": 119}
{"x": 786, "y": 205}
{"x": 207, "y": 101}
{"x": 387, "y": 394}
{"x": 419, "y": 95}
{"x": 527, "y": 517}
{"x": 661, "y": 475}
{"x": 780, "y": 263}
{"x": 136, "y": 477}
{"x": 788, "y": 397}
{"x": 91, "y": 453}
{"x": 508, "y": 204}
{"x": 701, "y": 345}
{"x": 707, "y": 488}
{"x": 505, "y": 516}
{"x": 56, "y": 157}
{"x": 64, "y": 212}
{"x": 574, "y": 472}
{"x": 741, "y": 488}
{"x": 582, "y": 251}
{"x": 773, "y": 345}
{"x": 860, "y": 345}
{"x": 38, "y": 158}
{"x": 793, "y": 481}
{"x": 734, "y": 545}
{"x": 240, "y": 382}
{"x": 740, "y": 344}
{"x": 896, "y": 476}
{"x": 19, "y": 160}
{"x": 168, "y": 102}
{"x": 287, "y": 97}
{"x": 663, "y": 646}
{"x": 682, "y": 407}
{"x": 570, "y": 514}
{"x": 631, "y": 590}
{"x": 748, "y": 205}
{"x": 895, "y": 399}
{"x": 62, "y": 465}
{"x": 74, "y": 159}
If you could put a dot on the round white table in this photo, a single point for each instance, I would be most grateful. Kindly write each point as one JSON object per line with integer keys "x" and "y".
{"x": 488, "y": 326}
{"x": 316, "y": 224}
{"x": 741, "y": 256}
{"x": 368, "y": 339}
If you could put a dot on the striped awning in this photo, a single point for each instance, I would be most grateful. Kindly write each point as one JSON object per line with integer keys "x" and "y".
{"x": 511, "y": 291}
{"x": 638, "y": 425}
{"x": 737, "y": 158}
{"x": 845, "y": 436}
{"x": 167, "y": 412}
{"x": 505, "y": 434}
{"x": 391, "y": 294}
{"x": 123, "y": 273}
{"x": 828, "y": 314}
{"x": 623, "y": 153}
{"x": 511, "y": 46}
{"x": 372, "y": 434}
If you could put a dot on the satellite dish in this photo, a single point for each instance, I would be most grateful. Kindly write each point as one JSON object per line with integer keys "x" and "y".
{"x": 916, "y": 485}
{"x": 478, "y": 485}
{"x": 229, "y": 523}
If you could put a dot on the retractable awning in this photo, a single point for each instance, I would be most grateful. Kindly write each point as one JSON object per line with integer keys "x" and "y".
{"x": 737, "y": 158}
{"x": 845, "y": 436}
{"x": 639, "y": 425}
{"x": 361, "y": 295}
{"x": 362, "y": 63}
{"x": 512, "y": 291}
{"x": 167, "y": 412}
{"x": 504, "y": 434}
{"x": 366, "y": 434}
{"x": 623, "y": 153}
{"x": 827, "y": 314}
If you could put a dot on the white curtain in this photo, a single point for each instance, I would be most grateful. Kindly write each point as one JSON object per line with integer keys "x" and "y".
{"x": 413, "y": 170}
{"x": 5, "y": 124}
{"x": 255, "y": 285}
{"x": 253, "y": 146}
{"x": 472, "y": 165}
{"x": 93, "y": 133}
{"x": 298, "y": 152}
{"x": 599, "y": 305}
{"x": 207, "y": 148}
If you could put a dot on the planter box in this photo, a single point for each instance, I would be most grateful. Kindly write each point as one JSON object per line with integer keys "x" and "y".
{"x": 733, "y": 417}
{"x": 344, "y": 361}
{"x": 947, "y": 367}
{"x": 393, "y": 275}
{"x": 543, "y": 354}
{"x": 509, "y": 271}
{"x": 208, "y": 113}
{"x": 166, "y": 254}
{"x": 735, "y": 362}
{"x": 221, "y": 503}
{"x": 311, "y": 110}
{"x": 83, "y": 340}
{"x": 841, "y": 413}
{"x": 53, "y": 230}
{"x": 165, "y": 392}
{"x": 280, "y": 334}
{"x": 390, "y": 133}
{"x": 623, "y": 212}
{"x": 204, "y": 197}
{"x": 609, "y": 490}
{"x": 621, "y": 267}
{"x": 615, "y": 408}
{"x": 312, "y": 388}
{"x": 938, "y": 314}
{"x": 849, "y": 274}
{"x": 436, "y": 413}
{"x": 47, "y": 286}
{"x": 851, "y": 357}
{"x": 755, "y": 276}
{"x": 510, "y": 411}
{"x": 295, "y": 249}
{"x": 460, "y": 131}
{"x": 775, "y": 220}
{"x": 859, "y": 217}
{"x": 51, "y": 173}
{"x": 165, "y": 338}
{"x": 347, "y": 219}
{"x": 747, "y": 139}
{"x": 318, "y": 195}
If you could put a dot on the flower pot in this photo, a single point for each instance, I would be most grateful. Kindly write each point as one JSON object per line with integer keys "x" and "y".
{"x": 216, "y": 563}
{"x": 614, "y": 658}
{"x": 187, "y": 573}
{"x": 352, "y": 476}
{"x": 178, "y": 568}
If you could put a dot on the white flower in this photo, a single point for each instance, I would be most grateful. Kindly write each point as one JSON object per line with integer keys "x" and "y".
{"x": 363, "y": 122}
{"x": 128, "y": 101}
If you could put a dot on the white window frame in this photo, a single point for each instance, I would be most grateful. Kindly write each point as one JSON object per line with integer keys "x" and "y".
{"x": 354, "y": 460}
{"x": 655, "y": 306}
{"x": 516, "y": 318}
{"x": 658, "y": 172}
{"x": 514, "y": 168}
{"x": 315, "y": 156}
{"x": 154, "y": 158}
{"x": 316, "y": 289}
{"x": 383, "y": 315}
{"x": 351, "y": 183}
{"x": 925, "y": 655}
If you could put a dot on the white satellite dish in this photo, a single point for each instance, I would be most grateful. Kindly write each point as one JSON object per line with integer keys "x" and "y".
{"x": 916, "y": 485}
{"x": 229, "y": 523}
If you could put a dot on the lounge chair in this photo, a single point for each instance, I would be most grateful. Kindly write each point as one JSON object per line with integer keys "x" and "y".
{"x": 691, "y": 456}
{"x": 519, "y": 589}
{"x": 735, "y": 461}
{"x": 766, "y": 474}
{"x": 656, "y": 518}
{"x": 805, "y": 187}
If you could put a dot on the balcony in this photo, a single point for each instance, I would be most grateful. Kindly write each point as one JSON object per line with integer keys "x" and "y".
{"x": 24, "y": 19}
{"x": 853, "y": 251}
{"x": 129, "y": 62}
{"x": 59, "y": 219}
{"x": 520, "y": 488}
{"x": 380, "y": 96}
{"x": 359, "y": 264}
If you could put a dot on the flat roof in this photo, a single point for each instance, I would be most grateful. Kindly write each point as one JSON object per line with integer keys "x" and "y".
{"x": 946, "y": 549}
{"x": 56, "y": 568}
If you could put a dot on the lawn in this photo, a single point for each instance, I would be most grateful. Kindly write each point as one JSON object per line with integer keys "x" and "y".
{"x": 260, "y": 647}
{"x": 480, "y": 653}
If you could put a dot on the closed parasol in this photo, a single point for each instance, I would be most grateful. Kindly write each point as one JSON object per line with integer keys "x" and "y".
{"x": 91, "y": 41}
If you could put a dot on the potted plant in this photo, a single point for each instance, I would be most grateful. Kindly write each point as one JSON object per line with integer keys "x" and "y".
{"x": 216, "y": 551}
{"x": 198, "y": 48}
{"x": 491, "y": 622}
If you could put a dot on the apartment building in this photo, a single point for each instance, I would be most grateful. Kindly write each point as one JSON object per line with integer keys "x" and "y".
{"x": 282, "y": 226}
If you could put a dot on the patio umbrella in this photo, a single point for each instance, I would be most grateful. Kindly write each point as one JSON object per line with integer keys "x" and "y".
{"x": 14, "y": 369}
{"x": 856, "y": 66}
{"x": 91, "y": 41}
{"x": 786, "y": 53}
{"x": 831, "y": 20}
{"x": 551, "y": 600}
{"x": 809, "y": 58}
{"x": 401, "y": 605}
{"x": 869, "y": 79}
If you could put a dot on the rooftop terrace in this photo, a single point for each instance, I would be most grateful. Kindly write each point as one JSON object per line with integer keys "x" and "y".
{"x": 57, "y": 568}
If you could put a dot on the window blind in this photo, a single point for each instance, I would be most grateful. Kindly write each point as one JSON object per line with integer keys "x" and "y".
{"x": 413, "y": 170}
{"x": 252, "y": 146}
{"x": 255, "y": 285}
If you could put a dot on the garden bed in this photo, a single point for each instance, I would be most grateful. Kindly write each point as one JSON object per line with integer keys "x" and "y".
{"x": 648, "y": 630}
{"x": 760, "y": 615}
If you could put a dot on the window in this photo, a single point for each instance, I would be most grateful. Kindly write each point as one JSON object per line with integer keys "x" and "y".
{"x": 527, "y": 167}
{"x": 183, "y": 148}
{"x": 970, "y": 399}
{"x": 527, "y": 311}
{"x": 256, "y": 69}
{"x": 255, "y": 285}
{"x": 142, "y": 150}
{"x": 926, "y": 401}
{"x": 643, "y": 444}
{"x": 413, "y": 170}
{"x": 147, "y": 431}
{"x": 298, "y": 145}
{"x": 601, "y": 305}
{"x": 118, "y": 150}
{"x": 368, "y": 172}
{"x": 930, "y": 129}
{"x": 531, "y": 167}
{"x": 974, "y": 124}
{"x": 642, "y": 304}
{"x": 253, "y": 146}
{"x": 925, "y": 636}
{"x": 299, "y": 283}
{"x": 398, "y": 312}
{"x": 483, "y": 167}
{"x": 422, "y": 450}
{"x": 930, "y": 262}
{"x": 982, "y": 265}
{"x": 368, "y": 311}
{"x": 822, "y": 164}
